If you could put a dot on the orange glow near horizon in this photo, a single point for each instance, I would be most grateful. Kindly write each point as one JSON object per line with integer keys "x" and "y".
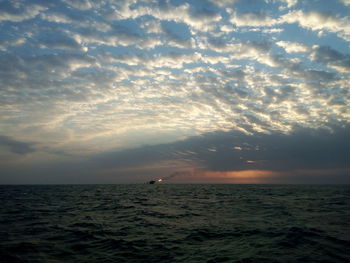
{"x": 241, "y": 177}
{"x": 263, "y": 176}
{"x": 198, "y": 175}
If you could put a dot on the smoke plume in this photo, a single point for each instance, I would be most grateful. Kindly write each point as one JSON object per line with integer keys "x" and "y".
{"x": 175, "y": 174}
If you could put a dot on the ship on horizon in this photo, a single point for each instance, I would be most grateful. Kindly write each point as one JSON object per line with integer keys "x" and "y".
{"x": 155, "y": 181}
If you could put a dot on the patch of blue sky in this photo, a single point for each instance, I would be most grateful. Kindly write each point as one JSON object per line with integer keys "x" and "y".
{"x": 130, "y": 26}
{"x": 257, "y": 6}
{"x": 292, "y": 32}
{"x": 179, "y": 30}
{"x": 246, "y": 34}
{"x": 325, "y": 6}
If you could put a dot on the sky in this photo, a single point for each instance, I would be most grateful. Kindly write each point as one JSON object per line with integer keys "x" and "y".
{"x": 196, "y": 91}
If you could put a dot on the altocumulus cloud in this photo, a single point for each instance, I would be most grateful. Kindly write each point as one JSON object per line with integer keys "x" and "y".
{"x": 98, "y": 80}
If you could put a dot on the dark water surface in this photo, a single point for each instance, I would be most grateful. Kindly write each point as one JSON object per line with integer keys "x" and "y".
{"x": 175, "y": 223}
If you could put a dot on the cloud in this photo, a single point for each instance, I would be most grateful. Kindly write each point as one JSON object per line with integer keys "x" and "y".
{"x": 345, "y": 2}
{"x": 297, "y": 157}
{"x": 226, "y": 98}
{"x": 88, "y": 77}
{"x": 315, "y": 20}
{"x": 292, "y": 47}
{"x": 196, "y": 18}
{"x": 290, "y": 3}
{"x": 58, "y": 40}
{"x": 119, "y": 35}
{"x": 81, "y": 4}
{"x": 257, "y": 19}
{"x": 302, "y": 149}
{"x": 5, "y": 44}
{"x": 76, "y": 20}
{"x": 294, "y": 157}
{"x": 16, "y": 11}
{"x": 15, "y": 146}
{"x": 151, "y": 26}
{"x": 272, "y": 30}
{"x": 331, "y": 58}
{"x": 223, "y": 3}
{"x": 164, "y": 60}
{"x": 39, "y": 71}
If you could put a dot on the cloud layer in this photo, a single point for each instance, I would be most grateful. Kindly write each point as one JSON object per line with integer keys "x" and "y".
{"x": 81, "y": 78}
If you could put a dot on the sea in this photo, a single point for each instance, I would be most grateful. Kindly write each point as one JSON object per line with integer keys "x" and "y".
{"x": 175, "y": 223}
